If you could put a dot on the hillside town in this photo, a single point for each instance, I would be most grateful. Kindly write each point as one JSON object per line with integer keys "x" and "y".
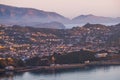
{"x": 24, "y": 42}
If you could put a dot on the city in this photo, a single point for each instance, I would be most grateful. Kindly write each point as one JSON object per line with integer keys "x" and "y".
{"x": 59, "y": 40}
{"x": 26, "y": 43}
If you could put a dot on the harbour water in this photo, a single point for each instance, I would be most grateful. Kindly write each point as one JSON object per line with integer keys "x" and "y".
{"x": 96, "y": 73}
{"x": 69, "y": 26}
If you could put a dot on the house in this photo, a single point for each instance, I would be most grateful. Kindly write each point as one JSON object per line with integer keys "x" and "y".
{"x": 101, "y": 55}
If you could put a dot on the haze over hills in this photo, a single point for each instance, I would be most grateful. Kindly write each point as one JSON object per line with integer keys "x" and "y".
{"x": 95, "y": 19}
{"x": 17, "y": 15}
{"x": 33, "y": 17}
{"x": 53, "y": 25}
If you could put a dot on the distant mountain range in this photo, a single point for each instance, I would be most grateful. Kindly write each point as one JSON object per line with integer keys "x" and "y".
{"x": 95, "y": 19}
{"x": 30, "y": 16}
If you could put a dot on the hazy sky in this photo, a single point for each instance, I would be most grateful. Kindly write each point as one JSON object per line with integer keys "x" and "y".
{"x": 71, "y": 8}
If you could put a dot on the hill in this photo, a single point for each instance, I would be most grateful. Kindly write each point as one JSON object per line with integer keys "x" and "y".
{"x": 95, "y": 19}
{"x": 20, "y": 15}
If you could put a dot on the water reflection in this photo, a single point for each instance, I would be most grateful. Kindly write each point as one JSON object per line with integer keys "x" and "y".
{"x": 7, "y": 76}
{"x": 88, "y": 73}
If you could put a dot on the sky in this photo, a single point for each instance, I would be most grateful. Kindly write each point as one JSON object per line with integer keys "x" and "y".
{"x": 71, "y": 8}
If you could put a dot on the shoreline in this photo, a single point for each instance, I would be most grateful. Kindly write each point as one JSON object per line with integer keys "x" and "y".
{"x": 62, "y": 66}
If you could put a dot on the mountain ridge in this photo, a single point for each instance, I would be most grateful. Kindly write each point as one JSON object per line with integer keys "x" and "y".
{"x": 28, "y": 13}
{"x": 22, "y": 15}
{"x": 90, "y": 18}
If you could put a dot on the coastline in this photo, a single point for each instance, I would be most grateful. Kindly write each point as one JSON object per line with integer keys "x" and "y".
{"x": 63, "y": 66}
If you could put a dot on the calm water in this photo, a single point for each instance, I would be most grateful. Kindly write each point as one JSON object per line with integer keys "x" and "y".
{"x": 69, "y": 26}
{"x": 97, "y": 73}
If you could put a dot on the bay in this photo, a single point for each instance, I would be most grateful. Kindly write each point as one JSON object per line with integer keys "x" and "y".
{"x": 92, "y": 73}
